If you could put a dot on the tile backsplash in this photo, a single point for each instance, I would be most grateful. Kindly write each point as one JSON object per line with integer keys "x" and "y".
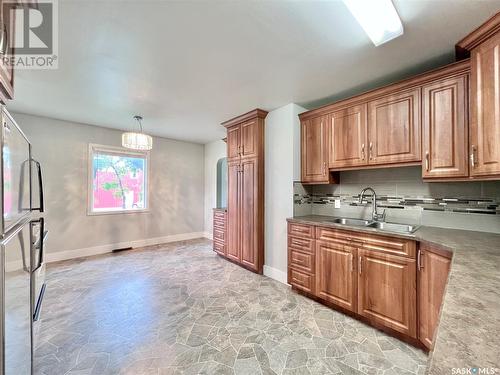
{"x": 406, "y": 198}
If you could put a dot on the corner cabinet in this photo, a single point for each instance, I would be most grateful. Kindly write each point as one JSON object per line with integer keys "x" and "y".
{"x": 245, "y": 208}
{"x": 433, "y": 269}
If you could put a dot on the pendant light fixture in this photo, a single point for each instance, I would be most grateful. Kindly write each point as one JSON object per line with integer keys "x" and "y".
{"x": 137, "y": 141}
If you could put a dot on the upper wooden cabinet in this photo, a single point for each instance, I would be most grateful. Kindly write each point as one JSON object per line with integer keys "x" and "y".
{"x": 433, "y": 269}
{"x": 347, "y": 137}
{"x": 444, "y": 127}
{"x": 233, "y": 141}
{"x": 249, "y": 139}
{"x": 314, "y": 153}
{"x": 485, "y": 108}
{"x": 394, "y": 128}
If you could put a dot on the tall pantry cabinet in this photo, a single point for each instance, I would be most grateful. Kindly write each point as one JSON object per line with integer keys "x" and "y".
{"x": 245, "y": 207}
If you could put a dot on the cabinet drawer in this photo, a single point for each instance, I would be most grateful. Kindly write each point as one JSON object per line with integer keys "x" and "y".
{"x": 219, "y": 247}
{"x": 219, "y": 234}
{"x": 219, "y": 215}
{"x": 382, "y": 243}
{"x": 301, "y": 280}
{"x": 301, "y": 230}
{"x": 303, "y": 261}
{"x": 301, "y": 244}
{"x": 219, "y": 223}
{"x": 339, "y": 236}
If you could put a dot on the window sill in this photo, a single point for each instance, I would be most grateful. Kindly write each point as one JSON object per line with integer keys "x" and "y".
{"x": 120, "y": 212}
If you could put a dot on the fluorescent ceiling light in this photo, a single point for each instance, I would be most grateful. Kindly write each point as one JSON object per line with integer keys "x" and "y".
{"x": 378, "y": 18}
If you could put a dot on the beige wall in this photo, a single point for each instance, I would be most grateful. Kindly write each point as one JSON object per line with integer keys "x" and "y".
{"x": 176, "y": 189}
{"x": 213, "y": 152}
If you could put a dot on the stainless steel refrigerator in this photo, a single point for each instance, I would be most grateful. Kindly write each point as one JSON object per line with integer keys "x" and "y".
{"x": 22, "y": 237}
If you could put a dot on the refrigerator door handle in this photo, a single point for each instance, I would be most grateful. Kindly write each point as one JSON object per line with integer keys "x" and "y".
{"x": 40, "y": 186}
{"x": 38, "y": 307}
{"x": 40, "y": 244}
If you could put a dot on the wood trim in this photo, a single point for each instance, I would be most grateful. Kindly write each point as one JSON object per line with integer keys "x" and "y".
{"x": 256, "y": 113}
{"x": 453, "y": 69}
{"x": 376, "y": 166}
{"x": 478, "y": 35}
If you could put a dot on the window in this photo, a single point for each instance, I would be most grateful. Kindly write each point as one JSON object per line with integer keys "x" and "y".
{"x": 118, "y": 180}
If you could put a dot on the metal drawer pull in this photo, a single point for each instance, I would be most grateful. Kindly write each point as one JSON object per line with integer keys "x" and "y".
{"x": 363, "y": 151}
{"x": 472, "y": 160}
{"x": 419, "y": 260}
{"x": 427, "y": 161}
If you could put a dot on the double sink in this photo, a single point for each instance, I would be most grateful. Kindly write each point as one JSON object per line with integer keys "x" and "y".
{"x": 383, "y": 226}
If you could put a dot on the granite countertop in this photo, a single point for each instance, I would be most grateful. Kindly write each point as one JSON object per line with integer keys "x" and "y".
{"x": 468, "y": 334}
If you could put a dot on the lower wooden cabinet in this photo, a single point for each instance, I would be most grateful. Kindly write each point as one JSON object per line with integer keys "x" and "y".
{"x": 219, "y": 231}
{"x": 433, "y": 269}
{"x": 380, "y": 278}
{"x": 387, "y": 290}
{"x": 335, "y": 274}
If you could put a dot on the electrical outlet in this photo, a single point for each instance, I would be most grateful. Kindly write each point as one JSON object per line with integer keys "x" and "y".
{"x": 337, "y": 203}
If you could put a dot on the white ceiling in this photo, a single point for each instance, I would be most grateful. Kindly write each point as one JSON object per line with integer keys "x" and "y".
{"x": 186, "y": 66}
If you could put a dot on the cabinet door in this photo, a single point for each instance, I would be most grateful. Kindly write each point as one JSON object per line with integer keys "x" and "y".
{"x": 233, "y": 143}
{"x": 335, "y": 274}
{"x": 444, "y": 123}
{"x": 387, "y": 290}
{"x": 432, "y": 278}
{"x": 394, "y": 128}
{"x": 485, "y": 108}
{"x": 249, "y": 138}
{"x": 314, "y": 150}
{"x": 347, "y": 137}
{"x": 250, "y": 237}
{"x": 233, "y": 250}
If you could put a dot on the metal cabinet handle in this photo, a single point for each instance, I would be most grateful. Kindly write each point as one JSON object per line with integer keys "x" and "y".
{"x": 359, "y": 264}
{"x": 370, "y": 151}
{"x": 352, "y": 262}
{"x": 427, "y": 161}
{"x": 419, "y": 260}
{"x": 324, "y": 168}
{"x": 472, "y": 160}
{"x": 363, "y": 151}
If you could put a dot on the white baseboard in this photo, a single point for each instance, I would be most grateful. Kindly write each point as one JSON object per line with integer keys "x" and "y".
{"x": 95, "y": 250}
{"x": 208, "y": 235}
{"x": 275, "y": 274}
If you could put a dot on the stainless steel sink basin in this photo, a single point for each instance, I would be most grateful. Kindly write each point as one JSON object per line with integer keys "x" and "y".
{"x": 391, "y": 227}
{"x": 346, "y": 221}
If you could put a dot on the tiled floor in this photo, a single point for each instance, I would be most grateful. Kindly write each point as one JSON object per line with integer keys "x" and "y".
{"x": 179, "y": 308}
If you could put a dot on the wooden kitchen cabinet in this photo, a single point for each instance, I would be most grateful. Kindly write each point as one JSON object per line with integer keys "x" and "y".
{"x": 347, "y": 137}
{"x": 336, "y": 280}
{"x": 233, "y": 141}
{"x": 485, "y": 108}
{"x": 314, "y": 151}
{"x": 445, "y": 124}
{"x": 219, "y": 231}
{"x": 394, "y": 128}
{"x": 387, "y": 291}
{"x": 251, "y": 206}
{"x": 245, "y": 208}
{"x": 433, "y": 269}
{"x": 233, "y": 248}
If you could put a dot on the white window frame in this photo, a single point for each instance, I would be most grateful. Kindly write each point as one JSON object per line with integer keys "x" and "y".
{"x": 121, "y": 151}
